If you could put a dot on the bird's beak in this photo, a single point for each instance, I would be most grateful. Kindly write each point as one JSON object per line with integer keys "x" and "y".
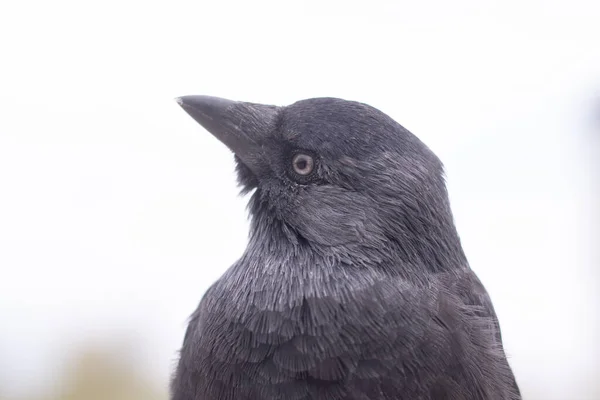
{"x": 243, "y": 127}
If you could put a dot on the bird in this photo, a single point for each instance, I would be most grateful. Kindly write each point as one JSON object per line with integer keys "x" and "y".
{"x": 354, "y": 284}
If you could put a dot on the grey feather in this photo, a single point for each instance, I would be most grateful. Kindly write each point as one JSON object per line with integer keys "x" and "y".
{"x": 354, "y": 284}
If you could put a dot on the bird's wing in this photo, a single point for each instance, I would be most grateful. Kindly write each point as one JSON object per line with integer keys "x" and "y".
{"x": 436, "y": 340}
{"x": 472, "y": 292}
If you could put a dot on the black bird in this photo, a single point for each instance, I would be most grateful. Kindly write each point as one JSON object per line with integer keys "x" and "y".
{"x": 354, "y": 284}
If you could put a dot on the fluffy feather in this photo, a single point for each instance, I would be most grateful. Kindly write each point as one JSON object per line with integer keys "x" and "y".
{"x": 354, "y": 285}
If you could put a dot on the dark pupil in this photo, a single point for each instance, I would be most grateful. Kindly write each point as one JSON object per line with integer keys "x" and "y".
{"x": 301, "y": 164}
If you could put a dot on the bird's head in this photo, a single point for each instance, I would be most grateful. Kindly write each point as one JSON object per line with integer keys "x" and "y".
{"x": 333, "y": 172}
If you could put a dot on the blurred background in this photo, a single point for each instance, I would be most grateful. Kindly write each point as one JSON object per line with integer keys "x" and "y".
{"x": 117, "y": 211}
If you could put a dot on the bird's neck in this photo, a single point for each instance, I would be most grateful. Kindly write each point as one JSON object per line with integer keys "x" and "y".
{"x": 404, "y": 250}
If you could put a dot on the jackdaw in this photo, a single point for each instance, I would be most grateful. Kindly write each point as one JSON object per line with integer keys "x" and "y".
{"x": 354, "y": 284}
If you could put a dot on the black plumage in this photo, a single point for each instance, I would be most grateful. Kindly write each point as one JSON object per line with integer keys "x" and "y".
{"x": 354, "y": 284}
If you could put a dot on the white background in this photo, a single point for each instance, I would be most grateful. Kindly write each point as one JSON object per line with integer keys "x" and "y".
{"x": 117, "y": 211}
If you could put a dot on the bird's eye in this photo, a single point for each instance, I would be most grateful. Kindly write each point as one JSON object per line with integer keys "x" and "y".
{"x": 303, "y": 164}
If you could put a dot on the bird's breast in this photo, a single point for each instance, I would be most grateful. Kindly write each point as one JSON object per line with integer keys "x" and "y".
{"x": 272, "y": 332}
